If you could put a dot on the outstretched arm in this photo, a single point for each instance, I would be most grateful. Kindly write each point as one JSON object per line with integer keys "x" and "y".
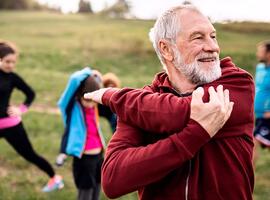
{"x": 145, "y": 109}
{"x": 159, "y": 113}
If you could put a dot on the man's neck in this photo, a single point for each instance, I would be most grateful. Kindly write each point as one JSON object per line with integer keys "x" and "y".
{"x": 180, "y": 83}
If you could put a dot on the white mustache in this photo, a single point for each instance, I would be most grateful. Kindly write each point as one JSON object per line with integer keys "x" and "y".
{"x": 207, "y": 55}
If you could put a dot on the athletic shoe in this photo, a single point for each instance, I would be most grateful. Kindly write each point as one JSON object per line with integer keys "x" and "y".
{"x": 55, "y": 183}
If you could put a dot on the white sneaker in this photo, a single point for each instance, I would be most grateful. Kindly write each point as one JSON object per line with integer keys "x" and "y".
{"x": 55, "y": 183}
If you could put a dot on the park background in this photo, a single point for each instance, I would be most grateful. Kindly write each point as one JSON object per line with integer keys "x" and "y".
{"x": 53, "y": 45}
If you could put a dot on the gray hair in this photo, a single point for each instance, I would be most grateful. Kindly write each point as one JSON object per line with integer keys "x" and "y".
{"x": 167, "y": 27}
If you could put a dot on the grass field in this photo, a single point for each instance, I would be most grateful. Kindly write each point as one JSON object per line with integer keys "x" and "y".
{"x": 53, "y": 46}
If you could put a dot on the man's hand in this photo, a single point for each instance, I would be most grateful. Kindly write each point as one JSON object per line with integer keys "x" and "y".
{"x": 212, "y": 115}
{"x": 14, "y": 111}
{"x": 96, "y": 95}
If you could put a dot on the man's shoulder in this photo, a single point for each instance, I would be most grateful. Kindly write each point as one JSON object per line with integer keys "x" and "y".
{"x": 229, "y": 69}
{"x": 160, "y": 83}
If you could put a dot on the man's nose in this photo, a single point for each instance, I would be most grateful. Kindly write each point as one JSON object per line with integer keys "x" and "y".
{"x": 211, "y": 45}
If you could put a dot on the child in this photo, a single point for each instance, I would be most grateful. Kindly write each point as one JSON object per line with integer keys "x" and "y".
{"x": 109, "y": 80}
{"x": 11, "y": 126}
{"x": 82, "y": 138}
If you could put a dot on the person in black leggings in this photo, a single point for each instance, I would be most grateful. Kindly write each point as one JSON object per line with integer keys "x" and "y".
{"x": 11, "y": 126}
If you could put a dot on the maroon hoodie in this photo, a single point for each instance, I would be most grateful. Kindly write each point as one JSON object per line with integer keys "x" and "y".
{"x": 161, "y": 152}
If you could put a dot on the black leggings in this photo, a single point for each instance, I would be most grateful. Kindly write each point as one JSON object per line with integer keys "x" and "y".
{"x": 17, "y": 138}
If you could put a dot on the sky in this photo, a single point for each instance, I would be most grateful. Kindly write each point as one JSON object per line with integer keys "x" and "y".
{"x": 217, "y": 10}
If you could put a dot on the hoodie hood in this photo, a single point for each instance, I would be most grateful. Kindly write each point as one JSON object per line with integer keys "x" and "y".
{"x": 161, "y": 82}
{"x": 233, "y": 78}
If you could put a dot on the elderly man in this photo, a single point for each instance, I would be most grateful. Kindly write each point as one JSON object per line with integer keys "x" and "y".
{"x": 170, "y": 146}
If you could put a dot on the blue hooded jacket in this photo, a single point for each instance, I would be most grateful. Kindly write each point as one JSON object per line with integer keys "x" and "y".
{"x": 74, "y": 121}
{"x": 262, "y": 95}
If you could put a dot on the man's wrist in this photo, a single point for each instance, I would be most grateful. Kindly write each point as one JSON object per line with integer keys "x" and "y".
{"x": 105, "y": 99}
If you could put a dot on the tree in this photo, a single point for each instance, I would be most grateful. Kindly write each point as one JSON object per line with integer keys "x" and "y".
{"x": 24, "y": 5}
{"x": 14, "y": 4}
{"x": 85, "y": 7}
{"x": 187, "y": 3}
{"x": 120, "y": 9}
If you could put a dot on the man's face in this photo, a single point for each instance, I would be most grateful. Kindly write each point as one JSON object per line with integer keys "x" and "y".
{"x": 197, "y": 50}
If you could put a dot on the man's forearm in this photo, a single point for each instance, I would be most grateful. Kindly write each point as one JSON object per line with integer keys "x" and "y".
{"x": 154, "y": 112}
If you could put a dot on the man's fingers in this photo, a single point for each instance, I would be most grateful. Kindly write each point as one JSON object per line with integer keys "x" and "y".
{"x": 96, "y": 95}
{"x": 197, "y": 95}
{"x": 88, "y": 95}
{"x": 213, "y": 96}
{"x": 229, "y": 111}
{"x": 227, "y": 98}
{"x": 220, "y": 93}
{"x": 92, "y": 96}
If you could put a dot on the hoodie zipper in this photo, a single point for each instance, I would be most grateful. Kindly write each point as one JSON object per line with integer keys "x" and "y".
{"x": 187, "y": 181}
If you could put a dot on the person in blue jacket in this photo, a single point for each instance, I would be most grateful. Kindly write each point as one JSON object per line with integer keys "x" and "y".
{"x": 82, "y": 137}
{"x": 262, "y": 95}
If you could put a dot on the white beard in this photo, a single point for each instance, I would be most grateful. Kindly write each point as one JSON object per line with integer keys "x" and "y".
{"x": 194, "y": 72}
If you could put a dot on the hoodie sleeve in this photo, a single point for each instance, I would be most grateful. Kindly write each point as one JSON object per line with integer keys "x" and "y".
{"x": 130, "y": 165}
{"x": 159, "y": 113}
{"x": 152, "y": 112}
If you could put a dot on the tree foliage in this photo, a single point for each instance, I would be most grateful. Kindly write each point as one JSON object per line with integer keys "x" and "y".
{"x": 119, "y": 10}
{"x": 22, "y": 5}
{"x": 85, "y": 7}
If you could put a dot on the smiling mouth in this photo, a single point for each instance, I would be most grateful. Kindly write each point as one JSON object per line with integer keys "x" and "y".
{"x": 208, "y": 59}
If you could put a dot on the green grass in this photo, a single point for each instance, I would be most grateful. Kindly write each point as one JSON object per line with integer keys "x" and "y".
{"x": 53, "y": 46}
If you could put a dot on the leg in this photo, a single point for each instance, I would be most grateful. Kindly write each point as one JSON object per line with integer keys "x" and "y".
{"x": 262, "y": 136}
{"x": 258, "y": 124}
{"x": 98, "y": 177}
{"x": 96, "y": 192}
{"x": 18, "y": 139}
{"x": 85, "y": 194}
{"x": 86, "y": 173}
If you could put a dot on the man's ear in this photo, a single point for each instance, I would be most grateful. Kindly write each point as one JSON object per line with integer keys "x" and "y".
{"x": 166, "y": 50}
